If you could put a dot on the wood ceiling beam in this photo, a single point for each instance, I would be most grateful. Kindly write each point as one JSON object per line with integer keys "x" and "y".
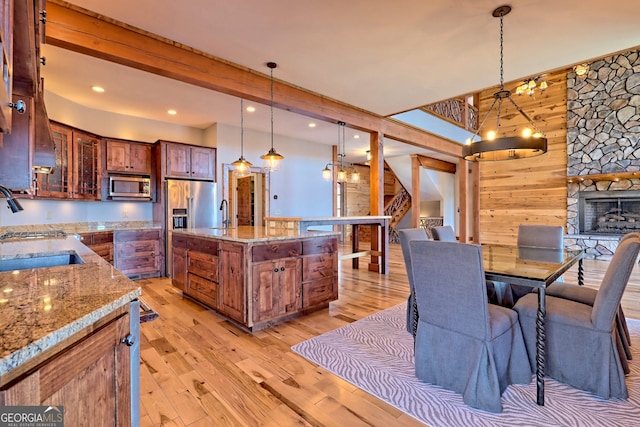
{"x": 436, "y": 164}
{"x": 75, "y": 29}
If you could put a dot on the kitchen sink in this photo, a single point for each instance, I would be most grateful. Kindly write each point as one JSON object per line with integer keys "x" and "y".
{"x": 40, "y": 261}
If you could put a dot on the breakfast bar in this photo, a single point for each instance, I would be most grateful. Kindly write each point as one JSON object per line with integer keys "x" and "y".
{"x": 379, "y": 250}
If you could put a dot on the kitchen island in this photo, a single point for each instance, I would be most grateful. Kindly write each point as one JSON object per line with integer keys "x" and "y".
{"x": 69, "y": 331}
{"x": 256, "y": 276}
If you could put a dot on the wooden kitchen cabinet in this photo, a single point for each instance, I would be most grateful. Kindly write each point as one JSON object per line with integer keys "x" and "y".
{"x": 128, "y": 157}
{"x": 232, "y": 287}
{"x": 78, "y": 170}
{"x": 277, "y": 289}
{"x": 91, "y": 379}
{"x": 100, "y": 242}
{"x": 179, "y": 261}
{"x": 202, "y": 272}
{"x": 319, "y": 272}
{"x": 138, "y": 253}
{"x": 6, "y": 65}
{"x": 188, "y": 161}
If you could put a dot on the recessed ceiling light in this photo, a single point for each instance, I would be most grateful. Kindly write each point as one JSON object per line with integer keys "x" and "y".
{"x": 172, "y": 112}
{"x": 251, "y": 109}
{"x": 356, "y": 136}
{"x": 312, "y": 125}
{"x": 98, "y": 89}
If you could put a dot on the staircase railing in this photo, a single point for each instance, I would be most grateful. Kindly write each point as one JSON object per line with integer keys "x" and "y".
{"x": 396, "y": 209}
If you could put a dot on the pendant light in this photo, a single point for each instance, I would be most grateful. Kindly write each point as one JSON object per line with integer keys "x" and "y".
{"x": 342, "y": 170}
{"x": 242, "y": 165}
{"x": 271, "y": 157}
{"x": 497, "y": 145}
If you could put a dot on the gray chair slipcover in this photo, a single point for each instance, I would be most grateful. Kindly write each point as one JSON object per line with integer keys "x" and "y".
{"x": 531, "y": 236}
{"x": 587, "y": 296}
{"x": 581, "y": 340}
{"x": 444, "y": 233}
{"x": 463, "y": 343}
{"x": 406, "y": 235}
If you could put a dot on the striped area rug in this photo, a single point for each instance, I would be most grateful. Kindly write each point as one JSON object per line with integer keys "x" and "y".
{"x": 376, "y": 355}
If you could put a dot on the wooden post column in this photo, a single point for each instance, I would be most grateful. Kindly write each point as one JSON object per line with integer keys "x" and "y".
{"x": 379, "y": 257}
{"x": 415, "y": 191}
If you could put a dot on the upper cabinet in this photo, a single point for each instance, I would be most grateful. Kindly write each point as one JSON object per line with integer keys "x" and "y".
{"x": 78, "y": 172}
{"x": 6, "y": 64}
{"x": 129, "y": 157}
{"x": 188, "y": 161}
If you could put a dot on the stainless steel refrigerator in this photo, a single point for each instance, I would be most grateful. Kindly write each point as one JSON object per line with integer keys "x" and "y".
{"x": 189, "y": 204}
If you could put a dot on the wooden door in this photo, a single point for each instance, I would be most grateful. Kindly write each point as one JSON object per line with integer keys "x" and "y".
{"x": 245, "y": 200}
{"x": 177, "y": 161}
{"x": 58, "y": 183}
{"x": 118, "y": 156}
{"x": 140, "y": 158}
{"x": 277, "y": 289}
{"x": 86, "y": 166}
{"x": 203, "y": 162}
{"x": 231, "y": 292}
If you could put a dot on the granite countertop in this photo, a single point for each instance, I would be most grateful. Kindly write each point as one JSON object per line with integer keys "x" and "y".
{"x": 249, "y": 234}
{"x": 83, "y": 227}
{"x": 40, "y": 308}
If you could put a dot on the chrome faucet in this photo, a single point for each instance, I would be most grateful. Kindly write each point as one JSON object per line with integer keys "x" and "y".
{"x": 14, "y": 205}
{"x": 224, "y": 207}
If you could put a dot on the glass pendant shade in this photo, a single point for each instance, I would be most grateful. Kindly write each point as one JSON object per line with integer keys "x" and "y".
{"x": 242, "y": 166}
{"x": 326, "y": 173}
{"x": 272, "y": 157}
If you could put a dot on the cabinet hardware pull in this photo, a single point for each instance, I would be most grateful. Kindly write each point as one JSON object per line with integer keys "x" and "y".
{"x": 43, "y": 16}
{"x": 281, "y": 268}
{"x": 275, "y": 270}
{"x": 128, "y": 340}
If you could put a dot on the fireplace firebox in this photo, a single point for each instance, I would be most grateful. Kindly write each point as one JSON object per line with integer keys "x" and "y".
{"x": 609, "y": 212}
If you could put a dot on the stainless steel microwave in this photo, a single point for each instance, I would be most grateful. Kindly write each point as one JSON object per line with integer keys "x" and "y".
{"x": 122, "y": 187}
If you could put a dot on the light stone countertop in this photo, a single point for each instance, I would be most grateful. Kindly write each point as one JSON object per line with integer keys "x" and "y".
{"x": 250, "y": 234}
{"x": 40, "y": 308}
{"x": 83, "y": 227}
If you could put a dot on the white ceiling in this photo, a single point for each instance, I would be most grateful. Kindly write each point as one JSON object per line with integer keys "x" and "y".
{"x": 382, "y": 56}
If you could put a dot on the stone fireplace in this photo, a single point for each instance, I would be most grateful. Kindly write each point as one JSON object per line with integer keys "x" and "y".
{"x": 603, "y": 154}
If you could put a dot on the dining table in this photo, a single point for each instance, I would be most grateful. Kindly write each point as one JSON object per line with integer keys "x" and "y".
{"x": 537, "y": 268}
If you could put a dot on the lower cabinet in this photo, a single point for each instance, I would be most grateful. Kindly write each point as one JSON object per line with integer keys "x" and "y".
{"x": 138, "y": 253}
{"x": 100, "y": 242}
{"x": 259, "y": 284}
{"x": 91, "y": 379}
{"x": 276, "y": 289}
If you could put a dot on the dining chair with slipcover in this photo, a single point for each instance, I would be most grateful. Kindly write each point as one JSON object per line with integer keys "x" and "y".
{"x": 586, "y": 295}
{"x": 531, "y": 236}
{"x": 406, "y": 235}
{"x": 463, "y": 343}
{"x": 581, "y": 340}
{"x": 444, "y": 233}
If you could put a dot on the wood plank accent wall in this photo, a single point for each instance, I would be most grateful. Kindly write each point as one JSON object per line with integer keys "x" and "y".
{"x": 526, "y": 191}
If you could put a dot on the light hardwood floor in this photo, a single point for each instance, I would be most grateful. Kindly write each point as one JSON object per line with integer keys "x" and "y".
{"x": 197, "y": 369}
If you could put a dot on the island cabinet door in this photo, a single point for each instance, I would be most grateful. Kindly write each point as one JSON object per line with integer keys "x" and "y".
{"x": 231, "y": 281}
{"x": 91, "y": 380}
{"x": 277, "y": 289}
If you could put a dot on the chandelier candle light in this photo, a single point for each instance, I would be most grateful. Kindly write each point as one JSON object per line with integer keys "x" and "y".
{"x": 342, "y": 171}
{"x": 271, "y": 157}
{"x": 242, "y": 165}
{"x": 530, "y": 143}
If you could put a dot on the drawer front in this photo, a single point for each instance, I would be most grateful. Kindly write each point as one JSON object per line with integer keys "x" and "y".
{"x": 179, "y": 241}
{"x": 203, "y": 265}
{"x": 320, "y": 246}
{"x": 103, "y": 237}
{"x": 138, "y": 265}
{"x": 319, "y": 291}
{"x": 203, "y": 290}
{"x": 124, "y": 236}
{"x": 136, "y": 249}
{"x": 276, "y": 251}
{"x": 209, "y": 247}
{"x": 319, "y": 266}
{"x": 194, "y": 244}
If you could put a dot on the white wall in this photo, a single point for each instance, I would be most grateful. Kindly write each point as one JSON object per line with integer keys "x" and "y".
{"x": 299, "y": 185}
